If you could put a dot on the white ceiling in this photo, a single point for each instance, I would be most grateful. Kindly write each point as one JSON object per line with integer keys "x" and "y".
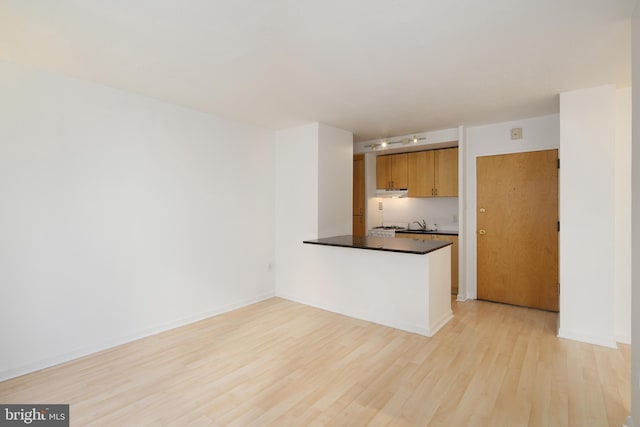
{"x": 375, "y": 67}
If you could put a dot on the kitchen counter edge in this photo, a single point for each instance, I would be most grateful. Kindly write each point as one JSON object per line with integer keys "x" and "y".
{"x": 388, "y": 244}
{"x": 442, "y": 233}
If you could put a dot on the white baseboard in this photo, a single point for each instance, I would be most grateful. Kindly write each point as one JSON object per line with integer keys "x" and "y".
{"x": 440, "y": 323}
{"x": 629, "y": 422}
{"x": 623, "y": 339}
{"x": 588, "y": 338}
{"x": 85, "y": 351}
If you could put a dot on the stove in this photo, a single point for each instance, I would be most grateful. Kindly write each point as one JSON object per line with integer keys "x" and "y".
{"x": 387, "y": 229}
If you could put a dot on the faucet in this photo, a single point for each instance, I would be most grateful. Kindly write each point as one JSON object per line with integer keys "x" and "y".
{"x": 422, "y": 225}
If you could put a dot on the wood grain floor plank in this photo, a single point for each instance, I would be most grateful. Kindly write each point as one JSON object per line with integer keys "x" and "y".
{"x": 281, "y": 363}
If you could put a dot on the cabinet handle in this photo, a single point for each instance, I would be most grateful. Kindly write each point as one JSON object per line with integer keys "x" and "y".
{"x": 436, "y": 191}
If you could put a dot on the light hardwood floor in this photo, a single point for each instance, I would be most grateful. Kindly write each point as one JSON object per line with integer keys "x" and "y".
{"x": 281, "y": 363}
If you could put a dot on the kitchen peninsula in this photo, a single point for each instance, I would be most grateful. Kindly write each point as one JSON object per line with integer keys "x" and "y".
{"x": 401, "y": 283}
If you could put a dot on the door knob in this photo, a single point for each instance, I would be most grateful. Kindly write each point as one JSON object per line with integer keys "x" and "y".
{"x": 483, "y": 232}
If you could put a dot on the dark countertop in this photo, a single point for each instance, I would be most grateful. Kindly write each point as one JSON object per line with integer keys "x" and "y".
{"x": 390, "y": 244}
{"x": 443, "y": 233}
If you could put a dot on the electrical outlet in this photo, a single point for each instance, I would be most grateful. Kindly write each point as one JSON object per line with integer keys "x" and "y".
{"x": 380, "y": 206}
{"x": 516, "y": 133}
{"x": 455, "y": 219}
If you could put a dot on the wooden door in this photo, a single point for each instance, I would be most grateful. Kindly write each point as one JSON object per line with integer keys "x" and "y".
{"x": 420, "y": 166}
{"x": 358, "y": 185}
{"x": 398, "y": 170}
{"x": 383, "y": 172}
{"x": 517, "y": 218}
{"x": 446, "y": 172}
{"x": 358, "y": 228}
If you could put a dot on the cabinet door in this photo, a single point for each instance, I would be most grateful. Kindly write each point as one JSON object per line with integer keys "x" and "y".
{"x": 359, "y": 228}
{"x": 454, "y": 260}
{"x": 418, "y": 236}
{"x": 420, "y": 166}
{"x": 446, "y": 172}
{"x": 358, "y": 185}
{"x": 398, "y": 170}
{"x": 383, "y": 172}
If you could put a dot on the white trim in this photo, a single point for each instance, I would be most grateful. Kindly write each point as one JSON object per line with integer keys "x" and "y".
{"x": 623, "y": 339}
{"x": 590, "y": 339}
{"x": 440, "y": 323}
{"x": 462, "y": 217}
{"x": 85, "y": 351}
{"x": 628, "y": 422}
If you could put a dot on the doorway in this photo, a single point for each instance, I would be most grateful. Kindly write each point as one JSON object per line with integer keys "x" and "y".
{"x": 517, "y": 229}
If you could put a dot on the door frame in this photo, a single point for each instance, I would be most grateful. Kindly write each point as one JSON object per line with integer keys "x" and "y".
{"x": 468, "y": 286}
{"x": 557, "y": 214}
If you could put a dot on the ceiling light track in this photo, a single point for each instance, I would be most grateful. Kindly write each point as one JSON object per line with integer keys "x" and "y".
{"x": 384, "y": 144}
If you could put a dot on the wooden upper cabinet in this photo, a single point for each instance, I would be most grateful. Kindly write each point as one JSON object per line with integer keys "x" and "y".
{"x": 391, "y": 171}
{"x": 383, "y": 172}
{"x": 399, "y": 170}
{"x": 433, "y": 173}
{"x": 358, "y": 185}
{"x": 446, "y": 172}
{"x": 420, "y": 166}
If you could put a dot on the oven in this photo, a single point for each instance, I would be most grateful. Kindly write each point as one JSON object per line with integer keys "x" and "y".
{"x": 387, "y": 229}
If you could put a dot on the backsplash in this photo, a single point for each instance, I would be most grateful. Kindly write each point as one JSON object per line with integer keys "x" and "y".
{"x": 439, "y": 211}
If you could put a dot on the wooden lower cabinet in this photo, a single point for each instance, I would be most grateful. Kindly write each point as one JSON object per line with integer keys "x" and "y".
{"x": 454, "y": 252}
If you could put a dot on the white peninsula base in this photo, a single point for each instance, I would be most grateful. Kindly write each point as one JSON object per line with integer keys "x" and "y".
{"x": 407, "y": 291}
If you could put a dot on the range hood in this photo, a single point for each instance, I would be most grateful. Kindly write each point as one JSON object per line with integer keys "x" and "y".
{"x": 395, "y": 194}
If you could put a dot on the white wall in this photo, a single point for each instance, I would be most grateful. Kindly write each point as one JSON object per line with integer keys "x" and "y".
{"x": 296, "y": 201}
{"x": 122, "y": 216}
{"x": 312, "y": 200}
{"x": 635, "y": 221}
{"x": 587, "y": 214}
{"x": 540, "y": 133}
{"x": 296, "y": 208}
{"x": 622, "y": 224}
{"x": 335, "y": 176}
